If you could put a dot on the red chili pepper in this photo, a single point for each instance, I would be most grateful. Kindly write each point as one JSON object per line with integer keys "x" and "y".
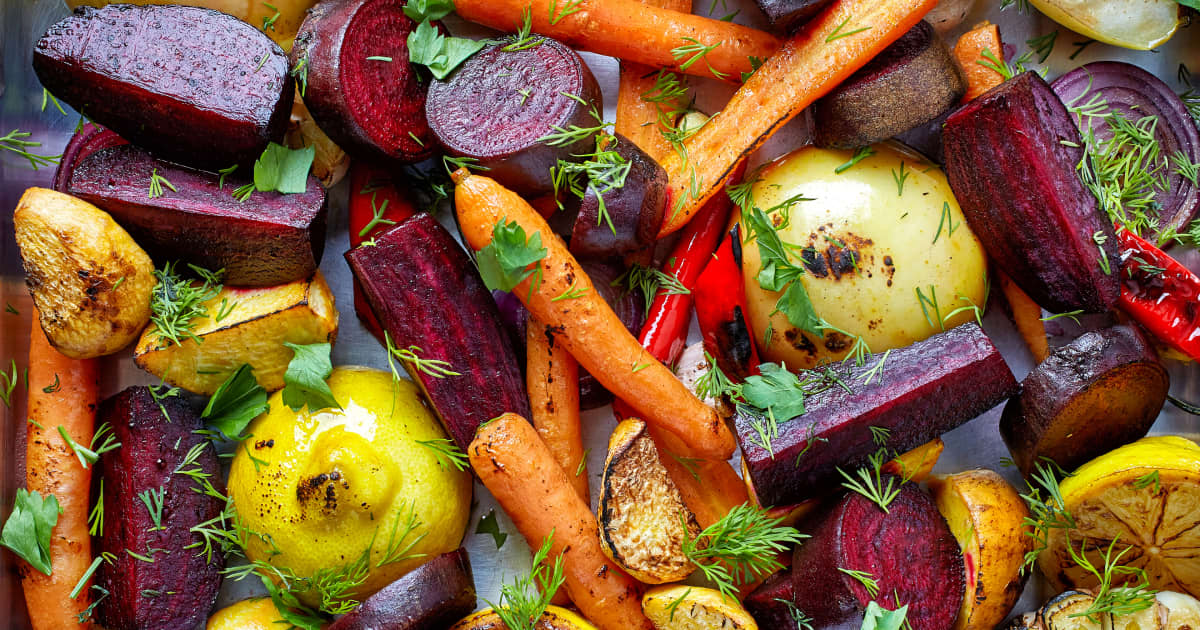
{"x": 720, "y": 295}
{"x": 1161, "y": 294}
{"x": 372, "y": 191}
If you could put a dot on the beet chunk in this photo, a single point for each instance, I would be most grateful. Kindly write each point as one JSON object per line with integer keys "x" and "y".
{"x": 429, "y": 298}
{"x": 916, "y": 400}
{"x": 632, "y": 213}
{"x": 786, "y": 15}
{"x": 908, "y": 550}
{"x": 89, "y": 139}
{"x": 771, "y": 603}
{"x": 192, "y": 85}
{"x": 176, "y": 589}
{"x": 499, "y": 105}
{"x": 372, "y": 108}
{"x": 266, "y": 240}
{"x": 434, "y": 595}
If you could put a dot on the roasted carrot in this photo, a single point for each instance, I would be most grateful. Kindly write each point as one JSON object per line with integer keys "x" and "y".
{"x": 562, "y": 295}
{"x": 637, "y": 117}
{"x": 968, "y": 52}
{"x": 517, "y": 467}
{"x": 552, "y": 380}
{"x": 63, "y": 393}
{"x": 1026, "y": 316}
{"x": 836, "y": 43}
{"x": 632, "y": 31}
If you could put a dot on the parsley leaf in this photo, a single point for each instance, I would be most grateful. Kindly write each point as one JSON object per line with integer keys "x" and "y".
{"x": 503, "y": 262}
{"x": 304, "y": 382}
{"x": 879, "y": 618}
{"x": 282, "y": 169}
{"x": 421, "y": 10}
{"x": 235, "y": 403}
{"x": 441, "y": 54}
{"x": 27, "y": 532}
{"x": 489, "y": 525}
{"x": 775, "y": 389}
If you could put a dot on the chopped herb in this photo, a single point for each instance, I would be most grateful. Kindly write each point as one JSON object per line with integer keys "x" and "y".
{"x": 900, "y": 179}
{"x": 877, "y": 617}
{"x": 153, "y": 500}
{"x": 8, "y": 382}
{"x": 176, "y": 303}
{"x": 556, "y": 14}
{"x": 694, "y": 50}
{"x": 741, "y": 547}
{"x": 28, "y": 528}
{"x": 1110, "y": 599}
{"x": 755, "y": 64}
{"x": 571, "y": 293}
{"x": 379, "y": 58}
{"x": 870, "y": 483}
{"x": 523, "y": 40}
{"x": 439, "y": 53}
{"x": 524, "y": 95}
{"x": 377, "y": 218}
{"x": 1069, "y": 315}
{"x": 409, "y": 356}
{"x": 866, "y": 579}
{"x": 860, "y": 155}
{"x": 236, "y": 402}
{"x": 87, "y": 575}
{"x": 504, "y": 262}
{"x": 1043, "y": 45}
{"x": 223, "y": 173}
{"x": 421, "y": 10}
{"x": 601, "y": 172}
{"x": 304, "y": 382}
{"x": 9, "y": 308}
{"x": 447, "y": 454}
{"x": 490, "y": 525}
{"x": 930, "y": 308}
{"x": 649, "y": 281}
{"x": 674, "y": 605}
{"x": 15, "y": 141}
{"x": 156, "y": 184}
{"x": 269, "y": 21}
{"x": 947, "y": 220}
{"x": 1079, "y": 47}
{"x": 1148, "y": 479}
{"x": 838, "y": 34}
{"x": 54, "y": 387}
{"x": 522, "y": 603}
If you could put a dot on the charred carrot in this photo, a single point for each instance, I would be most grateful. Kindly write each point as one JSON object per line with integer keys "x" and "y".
{"x": 632, "y": 31}
{"x": 375, "y": 205}
{"x": 516, "y": 466}
{"x": 63, "y": 394}
{"x": 552, "y": 380}
{"x": 641, "y": 101}
{"x": 560, "y": 294}
{"x": 836, "y": 43}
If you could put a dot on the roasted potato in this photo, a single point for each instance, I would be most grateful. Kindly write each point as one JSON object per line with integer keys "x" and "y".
{"x": 554, "y": 618}
{"x": 641, "y": 513}
{"x": 681, "y": 607}
{"x": 244, "y": 325}
{"x": 89, "y": 280}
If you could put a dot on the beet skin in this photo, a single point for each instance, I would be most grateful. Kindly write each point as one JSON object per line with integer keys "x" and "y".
{"x": 632, "y": 213}
{"x": 269, "y": 239}
{"x": 434, "y": 595}
{"x": 176, "y": 589}
{"x": 192, "y": 85}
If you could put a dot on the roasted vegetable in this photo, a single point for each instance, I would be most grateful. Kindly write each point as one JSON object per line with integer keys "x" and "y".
{"x": 554, "y": 618}
{"x": 268, "y": 239}
{"x": 160, "y": 575}
{"x": 626, "y": 218}
{"x": 89, "y": 139}
{"x": 721, "y": 311}
{"x": 443, "y": 324}
{"x": 680, "y": 607}
{"x": 1029, "y": 207}
{"x": 908, "y": 84}
{"x": 643, "y": 521}
{"x": 1159, "y": 293}
{"x": 627, "y": 303}
{"x": 376, "y": 204}
{"x": 90, "y": 281}
{"x": 219, "y": 90}
{"x": 915, "y": 400}
{"x": 280, "y": 18}
{"x": 361, "y": 88}
{"x": 433, "y": 595}
{"x": 243, "y": 325}
{"x": 1168, "y": 611}
{"x": 1102, "y": 390}
{"x": 786, "y": 15}
{"x": 330, "y": 162}
{"x": 503, "y": 107}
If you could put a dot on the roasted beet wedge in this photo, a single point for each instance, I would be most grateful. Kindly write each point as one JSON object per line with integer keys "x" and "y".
{"x": 434, "y": 595}
{"x": 770, "y": 603}
{"x": 916, "y": 400}
{"x": 907, "y": 550}
{"x": 88, "y": 140}
{"x": 428, "y": 296}
{"x": 626, "y": 218}
{"x": 1011, "y": 156}
{"x": 371, "y": 107}
{"x": 268, "y": 239}
{"x": 157, "y": 579}
{"x": 1101, "y": 391}
{"x": 786, "y": 15}
{"x": 500, "y": 105}
{"x": 194, "y": 86}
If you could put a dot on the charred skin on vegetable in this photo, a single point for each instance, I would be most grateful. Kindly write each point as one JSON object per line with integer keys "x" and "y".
{"x": 184, "y": 82}
{"x": 1160, "y": 293}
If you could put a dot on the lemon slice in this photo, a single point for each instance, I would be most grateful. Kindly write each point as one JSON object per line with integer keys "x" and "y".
{"x": 1146, "y": 495}
{"x": 1137, "y": 24}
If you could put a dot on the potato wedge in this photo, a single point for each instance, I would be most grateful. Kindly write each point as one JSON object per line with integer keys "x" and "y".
{"x": 554, "y": 618}
{"x": 90, "y": 281}
{"x": 681, "y": 607}
{"x": 253, "y": 331}
{"x": 640, "y": 509}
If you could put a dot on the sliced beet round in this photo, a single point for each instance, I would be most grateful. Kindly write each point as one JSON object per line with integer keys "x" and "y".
{"x": 908, "y": 551}
{"x": 501, "y": 103}
{"x": 371, "y": 107}
{"x": 910, "y": 83}
{"x": 1102, "y": 390}
{"x": 631, "y": 213}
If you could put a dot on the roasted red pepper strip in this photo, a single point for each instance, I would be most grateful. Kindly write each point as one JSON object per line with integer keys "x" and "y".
{"x": 371, "y": 189}
{"x": 1161, "y": 294}
{"x": 720, "y": 295}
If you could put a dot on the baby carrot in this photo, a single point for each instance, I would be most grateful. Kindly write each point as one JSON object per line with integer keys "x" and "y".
{"x": 639, "y": 103}
{"x": 516, "y": 466}
{"x": 63, "y": 393}
{"x": 552, "y": 380}
{"x": 562, "y": 295}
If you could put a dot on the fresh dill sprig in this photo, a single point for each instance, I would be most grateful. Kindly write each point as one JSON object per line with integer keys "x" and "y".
{"x": 869, "y": 481}
{"x": 1108, "y": 598}
{"x": 695, "y": 50}
{"x": 865, "y": 578}
{"x": 860, "y": 155}
{"x": 154, "y": 500}
{"x": 448, "y": 455}
{"x": 377, "y": 218}
{"x": 742, "y": 546}
{"x": 556, "y": 14}
{"x": 15, "y": 142}
{"x": 176, "y": 302}
{"x": 436, "y": 368}
{"x": 8, "y": 382}
{"x": 838, "y": 34}
{"x": 397, "y": 550}
{"x": 523, "y": 601}
{"x": 1048, "y": 509}
{"x": 601, "y": 171}
{"x": 156, "y": 184}
{"x": 650, "y": 280}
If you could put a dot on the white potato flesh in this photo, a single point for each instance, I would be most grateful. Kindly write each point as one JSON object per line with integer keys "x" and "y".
{"x": 902, "y": 239}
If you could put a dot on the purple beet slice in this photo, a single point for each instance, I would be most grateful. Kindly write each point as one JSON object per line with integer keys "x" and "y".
{"x": 192, "y": 85}
{"x": 771, "y": 603}
{"x": 371, "y": 107}
{"x": 786, "y": 15}
{"x": 1101, "y": 391}
{"x": 89, "y": 139}
{"x": 908, "y": 550}
{"x": 157, "y": 579}
{"x": 1011, "y": 156}
{"x": 615, "y": 222}
{"x": 910, "y": 83}
{"x": 427, "y": 295}
{"x": 500, "y": 104}
{"x": 434, "y": 595}
{"x": 266, "y": 240}
{"x": 1133, "y": 93}
{"x": 916, "y": 400}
